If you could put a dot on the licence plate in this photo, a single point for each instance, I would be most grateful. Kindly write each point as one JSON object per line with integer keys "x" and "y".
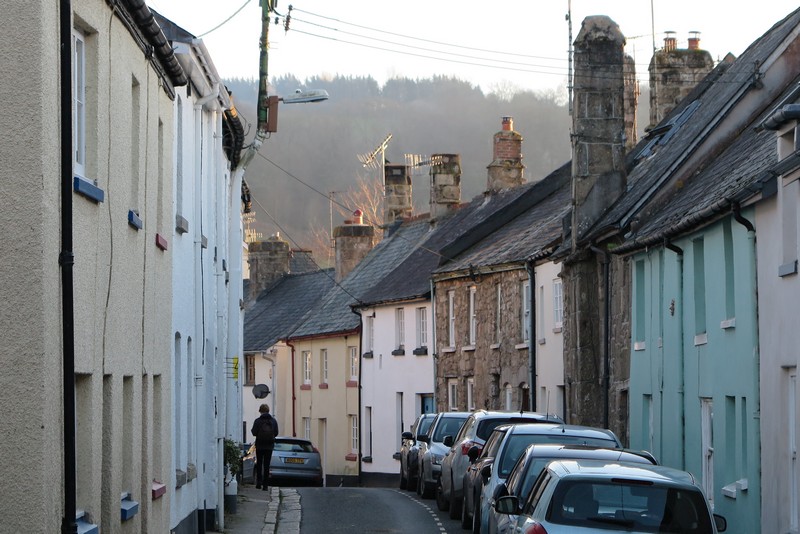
{"x": 294, "y": 460}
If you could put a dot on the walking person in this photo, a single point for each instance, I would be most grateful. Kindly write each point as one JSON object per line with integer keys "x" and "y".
{"x": 265, "y": 428}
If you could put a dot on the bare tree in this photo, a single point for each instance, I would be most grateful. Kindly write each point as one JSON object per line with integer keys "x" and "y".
{"x": 366, "y": 195}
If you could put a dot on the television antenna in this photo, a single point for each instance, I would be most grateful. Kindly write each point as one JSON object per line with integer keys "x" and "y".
{"x": 417, "y": 161}
{"x": 371, "y": 160}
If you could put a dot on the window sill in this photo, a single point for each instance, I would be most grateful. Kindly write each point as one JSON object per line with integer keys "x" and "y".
{"x": 421, "y": 351}
{"x": 468, "y": 348}
{"x": 701, "y": 339}
{"x": 541, "y": 341}
{"x": 352, "y": 384}
{"x": 399, "y": 352}
{"x": 446, "y": 350}
{"x": 494, "y": 346}
{"x": 180, "y": 478}
{"x": 88, "y": 189}
{"x": 157, "y": 490}
{"x": 134, "y": 220}
{"x": 161, "y": 242}
{"x": 728, "y": 323}
{"x": 181, "y": 224}
{"x": 787, "y": 268}
{"x": 367, "y": 459}
{"x": 128, "y": 507}
{"x": 521, "y": 346}
{"x": 323, "y": 386}
{"x": 305, "y": 387}
{"x": 639, "y": 345}
{"x": 558, "y": 329}
{"x": 84, "y": 527}
{"x": 352, "y": 457}
{"x": 367, "y": 354}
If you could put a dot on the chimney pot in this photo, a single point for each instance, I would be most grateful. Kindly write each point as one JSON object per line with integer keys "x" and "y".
{"x": 670, "y": 42}
{"x": 508, "y": 124}
{"x": 694, "y": 40}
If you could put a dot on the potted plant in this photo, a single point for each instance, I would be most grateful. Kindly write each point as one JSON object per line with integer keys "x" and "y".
{"x": 232, "y": 453}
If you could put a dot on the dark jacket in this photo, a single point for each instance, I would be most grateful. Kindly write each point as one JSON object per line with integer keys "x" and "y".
{"x": 257, "y": 426}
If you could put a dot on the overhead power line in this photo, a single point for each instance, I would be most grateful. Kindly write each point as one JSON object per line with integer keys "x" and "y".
{"x": 221, "y": 24}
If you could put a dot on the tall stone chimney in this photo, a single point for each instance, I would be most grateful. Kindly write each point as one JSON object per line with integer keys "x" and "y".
{"x": 631, "y": 102}
{"x": 397, "y": 198}
{"x": 598, "y": 122}
{"x": 506, "y": 169}
{"x": 674, "y": 72}
{"x": 353, "y": 240}
{"x": 268, "y": 261}
{"x": 445, "y": 183}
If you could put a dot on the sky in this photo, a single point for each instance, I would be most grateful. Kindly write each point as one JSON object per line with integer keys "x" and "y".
{"x": 508, "y": 44}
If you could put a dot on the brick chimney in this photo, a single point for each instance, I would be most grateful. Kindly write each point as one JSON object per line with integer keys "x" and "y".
{"x": 397, "y": 198}
{"x": 674, "y": 72}
{"x": 445, "y": 183}
{"x": 353, "y": 240}
{"x": 598, "y": 122}
{"x": 506, "y": 169}
{"x": 268, "y": 261}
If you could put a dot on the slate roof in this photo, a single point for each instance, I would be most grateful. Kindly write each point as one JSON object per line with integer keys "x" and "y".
{"x": 697, "y": 115}
{"x": 281, "y": 307}
{"x": 301, "y": 261}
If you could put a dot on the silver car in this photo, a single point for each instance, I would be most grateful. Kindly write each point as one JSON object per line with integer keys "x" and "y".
{"x": 432, "y": 450}
{"x": 596, "y": 496}
{"x": 295, "y": 461}
{"x": 527, "y": 469}
{"x": 409, "y": 451}
{"x": 501, "y": 452}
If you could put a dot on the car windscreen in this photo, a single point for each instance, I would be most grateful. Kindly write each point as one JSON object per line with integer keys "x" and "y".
{"x": 518, "y": 442}
{"x": 293, "y": 446}
{"x": 448, "y": 426}
{"x": 623, "y": 504}
{"x": 424, "y": 425}
{"x": 486, "y": 426}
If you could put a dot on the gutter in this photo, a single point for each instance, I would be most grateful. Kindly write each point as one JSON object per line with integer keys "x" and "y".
{"x": 434, "y": 353}
{"x": 66, "y": 260}
{"x": 360, "y": 427}
{"x": 294, "y": 395}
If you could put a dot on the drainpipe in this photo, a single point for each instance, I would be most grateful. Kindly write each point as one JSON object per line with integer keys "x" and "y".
{"x": 434, "y": 354}
{"x": 294, "y": 395}
{"x": 532, "y": 337}
{"x": 606, "y": 333}
{"x": 66, "y": 260}
{"x": 360, "y": 352}
{"x": 214, "y": 93}
{"x": 681, "y": 356}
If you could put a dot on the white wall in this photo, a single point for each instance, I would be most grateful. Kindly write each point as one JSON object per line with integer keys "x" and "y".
{"x": 548, "y": 344}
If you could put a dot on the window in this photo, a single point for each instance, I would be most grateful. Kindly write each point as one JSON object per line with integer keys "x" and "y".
{"x": 452, "y": 394}
{"x": 451, "y": 319}
{"x": 323, "y": 361}
{"x": 399, "y": 328}
{"x": 79, "y": 102}
{"x": 558, "y": 303}
{"x": 730, "y": 277}
{"x": 497, "y": 313}
{"x": 250, "y": 369}
{"x": 306, "y": 366}
{"x": 370, "y": 334}
{"x": 638, "y": 295}
{"x": 470, "y": 394}
{"x": 307, "y": 427}
{"x": 354, "y": 434}
{"x": 509, "y": 397}
{"x": 707, "y": 447}
{"x": 525, "y": 309}
{"x": 699, "y": 287}
{"x": 473, "y": 326}
{"x": 353, "y": 362}
{"x": 422, "y": 327}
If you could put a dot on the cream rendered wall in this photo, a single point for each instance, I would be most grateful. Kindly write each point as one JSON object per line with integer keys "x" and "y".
{"x": 275, "y": 370}
{"x": 387, "y": 378}
{"x": 549, "y": 344}
{"x": 331, "y": 408}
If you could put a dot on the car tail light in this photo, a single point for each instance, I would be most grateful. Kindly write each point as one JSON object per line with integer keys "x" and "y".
{"x": 314, "y": 449}
{"x": 536, "y": 528}
{"x": 467, "y": 445}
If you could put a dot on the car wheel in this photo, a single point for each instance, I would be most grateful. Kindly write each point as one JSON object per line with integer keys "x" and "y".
{"x": 455, "y": 504}
{"x": 403, "y": 480}
{"x": 441, "y": 503}
{"x": 420, "y": 478}
{"x": 427, "y": 490}
{"x": 476, "y": 517}
{"x": 412, "y": 481}
{"x": 466, "y": 521}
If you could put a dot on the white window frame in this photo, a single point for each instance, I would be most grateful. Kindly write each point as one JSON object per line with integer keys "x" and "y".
{"x": 525, "y": 311}
{"x": 307, "y": 428}
{"x": 79, "y": 102}
{"x": 370, "y": 332}
{"x": 558, "y": 303}
{"x": 451, "y": 318}
{"x": 353, "y": 362}
{"x": 306, "y": 367}
{"x": 452, "y": 394}
{"x": 509, "y": 397}
{"x": 422, "y": 327}
{"x": 323, "y": 356}
{"x": 470, "y": 394}
{"x": 473, "y": 316}
{"x": 399, "y": 328}
{"x": 707, "y": 447}
{"x": 354, "y": 434}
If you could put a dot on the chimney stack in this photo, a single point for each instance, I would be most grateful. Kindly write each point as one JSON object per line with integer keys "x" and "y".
{"x": 353, "y": 240}
{"x": 268, "y": 261}
{"x": 694, "y": 40}
{"x": 598, "y": 122}
{"x": 397, "y": 198}
{"x": 631, "y": 104}
{"x": 670, "y": 42}
{"x": 445, "y": 183}
{"x": 506, "y": 169}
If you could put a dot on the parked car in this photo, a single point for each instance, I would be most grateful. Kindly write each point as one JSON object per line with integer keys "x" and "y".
{"x": 501, "y": 452}
{"x": 295, "y": 461}
{"x": 597, "y": 496}
{"x": 527, "y": 469}
{"x": 474, "y": 433}
{"x": 409, "y": 451}
{"x": 432, "y": 450}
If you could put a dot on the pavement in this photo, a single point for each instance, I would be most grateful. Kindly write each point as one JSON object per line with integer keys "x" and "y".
{"x": 264, "y": 512}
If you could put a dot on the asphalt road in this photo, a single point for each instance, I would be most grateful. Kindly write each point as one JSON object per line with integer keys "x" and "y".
{"x": 371, "y": 510}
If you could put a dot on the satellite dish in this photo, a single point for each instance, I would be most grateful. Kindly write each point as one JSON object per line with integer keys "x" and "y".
{"x": 260, "y": 391}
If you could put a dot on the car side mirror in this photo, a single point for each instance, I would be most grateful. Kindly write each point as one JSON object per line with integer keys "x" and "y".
{"x": 424, "y": 438}
{"x": 486, "y": 471}
{"x": 407, "y": 435}
{"x": 448, "y": 441}
{"x": 500, "y": 491}
{"x": 507, "y": 505}
{"x": 721, "y": 523}
{"x": 473, "y": 453}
